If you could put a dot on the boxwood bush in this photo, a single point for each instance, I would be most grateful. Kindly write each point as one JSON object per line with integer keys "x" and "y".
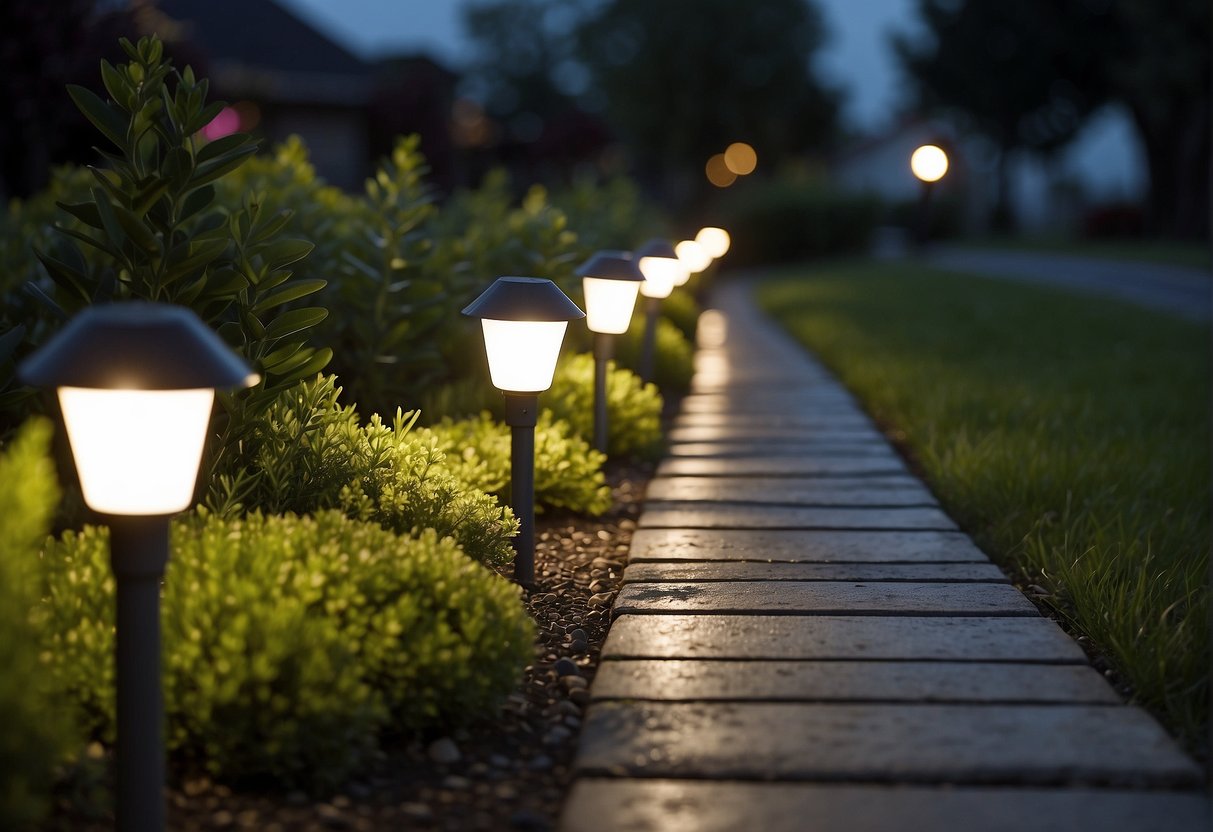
{"x": 568, "y": 472}
{"x": 291, "y": 642}
{"x": 36, "y": 733}
{"x": 633, "y": 408}
{"x": 308, "y": 452}
{"x": 673, "y": 364}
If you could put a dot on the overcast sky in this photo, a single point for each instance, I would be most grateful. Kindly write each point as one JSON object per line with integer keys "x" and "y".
{"x": 857, "y": 56}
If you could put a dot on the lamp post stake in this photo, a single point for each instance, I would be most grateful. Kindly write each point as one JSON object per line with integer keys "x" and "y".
{"x": 139, "y": 547}
{"x": 603, "y": 344}
{"x": 652, "y": 306}
{"x": 521, "y": 413}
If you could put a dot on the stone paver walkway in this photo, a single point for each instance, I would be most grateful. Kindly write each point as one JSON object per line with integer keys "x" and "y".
{"x": 805, "y": 641}
{"x": 1178, "y": 290}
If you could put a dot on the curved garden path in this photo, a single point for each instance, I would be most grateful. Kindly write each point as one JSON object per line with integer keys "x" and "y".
{"x": 805, "y": 641}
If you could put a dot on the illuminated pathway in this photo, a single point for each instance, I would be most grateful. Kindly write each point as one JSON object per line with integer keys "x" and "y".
{"x": 805, "y": 641}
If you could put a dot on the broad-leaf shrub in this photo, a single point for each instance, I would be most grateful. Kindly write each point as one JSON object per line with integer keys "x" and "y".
{"x": 682, "y": 310}
{"x": 568, "y": 472}
{"x": 307, "y": 452}
{"x": 633, "y": 408}
{"x": 36, "y": 729}
{"x": 290, "y": 642}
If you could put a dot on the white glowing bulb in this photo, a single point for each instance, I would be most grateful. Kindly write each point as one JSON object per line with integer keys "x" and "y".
{"x": 715, "y": 241}
{"x": 522, "y": 354}
{"x": 929, "y": 163}
{"x": 661, "y": 275}
{"x": 137, "y": 451}
{"x": 692, "y": 256}
{"x": 609, "y": 303}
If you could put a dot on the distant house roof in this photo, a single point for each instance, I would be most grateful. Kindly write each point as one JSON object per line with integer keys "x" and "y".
{"x": 259, "y": 49}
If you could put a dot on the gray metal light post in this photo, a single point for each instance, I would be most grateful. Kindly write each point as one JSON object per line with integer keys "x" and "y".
{"x": 524, "y": 320}
{"x": 136, "y": 383}
{"x": 610, "y": 281}
{"x": 662, "y": 272}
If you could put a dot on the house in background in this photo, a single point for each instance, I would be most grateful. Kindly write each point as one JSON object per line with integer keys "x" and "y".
{"x": 283, "y": 77}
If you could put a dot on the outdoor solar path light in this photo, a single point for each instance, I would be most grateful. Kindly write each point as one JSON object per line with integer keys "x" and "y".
{"x": 928, "y": 163}
{"x": 715, "y": 241}
{"x": 524, "y": 319}
{"x": 610, "y": 281}
{"x": 136, "y": 383}
{"x": 662, "y": 272}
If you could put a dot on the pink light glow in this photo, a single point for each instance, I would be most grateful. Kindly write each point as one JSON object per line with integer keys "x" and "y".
{"x": 224, "y": 124}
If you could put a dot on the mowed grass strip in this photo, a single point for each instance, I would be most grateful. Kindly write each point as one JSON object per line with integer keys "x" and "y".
{"x": 1068, "y": 435}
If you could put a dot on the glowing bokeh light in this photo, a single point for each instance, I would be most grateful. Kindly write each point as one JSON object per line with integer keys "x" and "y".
{"x": 929, "y": 163}
{"x": 693, "y": 256}
{"x": 740, "y": 158}
{"x": 718, "y": 172}
{"x": 715, "y": 241}
{"x": 225, "y": 123}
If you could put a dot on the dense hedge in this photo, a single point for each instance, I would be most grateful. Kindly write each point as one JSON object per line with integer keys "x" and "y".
{"x": 788, "y": 220}
{"x": 633, "y": 408}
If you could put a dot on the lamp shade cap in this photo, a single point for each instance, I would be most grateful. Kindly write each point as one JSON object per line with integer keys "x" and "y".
{"x": 657, "y": 247}
{"x": 137, "y": 345}
{"x": 523, "y": 299}
{"x": 611, "y": 265}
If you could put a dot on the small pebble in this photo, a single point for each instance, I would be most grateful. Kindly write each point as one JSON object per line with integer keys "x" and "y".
{"x": 565, "y": 667}
{"x": 416, "y": 811}
{"x": 574, "y": 682}
{"x": 541, "y": 763}
{"x": 528, "y": 820}
{"x": 602, "y": 599}
{"x": 443, "y": 751}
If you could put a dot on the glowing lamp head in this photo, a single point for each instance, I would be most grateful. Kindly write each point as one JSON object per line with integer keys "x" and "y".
{"x": 610, "y": 281}
{"x": 693, "y": 256}
{"x": 136, "y": 382}
{"x": 523, "y": 319}
{"x": 929, "y": 163}
{"x": 715, "y": 241}
{"x": 662, "y": 268}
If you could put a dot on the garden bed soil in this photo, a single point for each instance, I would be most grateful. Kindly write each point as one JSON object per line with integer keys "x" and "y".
{"x": 510, "y": 772}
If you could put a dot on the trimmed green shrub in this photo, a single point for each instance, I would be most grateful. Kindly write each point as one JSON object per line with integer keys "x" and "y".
{"x": 290, "y": 642}
{"x": 568, "y": 472}
{"x": 307, "y": 453}
{"x": 673, "y": 357}
{"x": 613, "y": 214}
{"x": 633, "y": 408}
{"x": 788, "y": 220}
{"x": 36, "y": 732}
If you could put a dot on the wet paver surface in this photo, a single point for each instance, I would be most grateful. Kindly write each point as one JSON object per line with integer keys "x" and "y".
{"x": 805, "y": 640}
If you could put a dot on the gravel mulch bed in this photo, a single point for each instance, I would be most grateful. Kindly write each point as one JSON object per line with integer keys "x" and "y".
{"x": 508, "y": 773}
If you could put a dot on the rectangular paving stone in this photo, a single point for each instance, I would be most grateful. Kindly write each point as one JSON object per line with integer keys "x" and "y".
{"x": 840, "y": 637}
{"x": 962, "y": 744}
{"x": 788, "y": 448}
{"x": 801, "y": 546}
{"x": 923, "y": 682}
{"x": 662, "y": 805}
{"x": 774, "y": 434}
{"x": 795, "y": 466}
{"x": 671, "y": 572}
{"x": 822, "y": 598}
{"x": 694, "y": 515}
{"x": 891, "y": 490}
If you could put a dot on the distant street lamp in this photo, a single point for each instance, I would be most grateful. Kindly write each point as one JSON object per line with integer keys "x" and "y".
{"x": 929, "y": 163}
{"x": 715, "y": 241}
{"x": 136, "y": 383}
{"x": 662, "y": 272}
{"x": 610, "y": 281}
{"x": 524, "y": 320}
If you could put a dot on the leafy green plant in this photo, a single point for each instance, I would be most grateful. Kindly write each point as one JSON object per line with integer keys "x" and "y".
{"x": 36, "y": 733}
{"x": 673, "y": 357}
{"x": 568, "y": 472}
{"x": 306, "y": 452}
{"x": 681, "y": 309}
{"x": 633, "y": 408}
{"x": 607, "y": 215}
{"x": 290, "y": 642}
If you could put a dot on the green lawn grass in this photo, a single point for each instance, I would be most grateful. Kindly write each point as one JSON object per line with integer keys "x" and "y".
{"x": 1164, "y": 252}
{"x": 1069, "y": 436}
